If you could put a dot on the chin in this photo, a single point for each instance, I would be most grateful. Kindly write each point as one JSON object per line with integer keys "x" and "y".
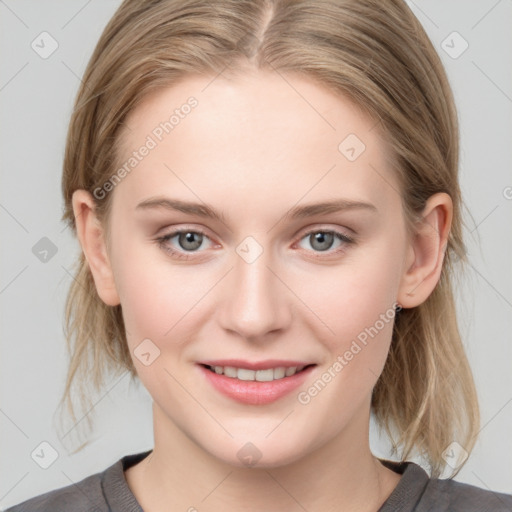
{"x": 259, "y": 455}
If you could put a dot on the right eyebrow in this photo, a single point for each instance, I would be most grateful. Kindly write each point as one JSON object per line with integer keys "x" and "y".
{"x": 201, "y": 210}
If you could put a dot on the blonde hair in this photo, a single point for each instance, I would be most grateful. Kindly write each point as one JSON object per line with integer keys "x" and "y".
{"x": 373, "y": 52}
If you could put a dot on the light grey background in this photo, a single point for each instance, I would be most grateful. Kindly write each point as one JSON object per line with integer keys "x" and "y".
{"x": 36, "y": 98}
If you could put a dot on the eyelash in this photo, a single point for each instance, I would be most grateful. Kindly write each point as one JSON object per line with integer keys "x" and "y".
{"x": 162, "y": 242}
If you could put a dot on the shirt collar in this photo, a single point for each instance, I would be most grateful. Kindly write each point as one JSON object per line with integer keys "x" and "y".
{"x": 404, "y": 497}
{"x": 408, "y": 492}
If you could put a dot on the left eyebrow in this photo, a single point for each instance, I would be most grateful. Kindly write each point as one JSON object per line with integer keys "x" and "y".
{"x": 297, "y": 212}
{"x": 326, "y": 207}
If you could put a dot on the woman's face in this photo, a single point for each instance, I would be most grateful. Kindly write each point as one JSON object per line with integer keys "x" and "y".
{"x": 263, "y": 274}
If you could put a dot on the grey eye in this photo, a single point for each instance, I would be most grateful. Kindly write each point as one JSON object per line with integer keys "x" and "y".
{"x": 321, "y": 240}
{"x": 190, "y": 240}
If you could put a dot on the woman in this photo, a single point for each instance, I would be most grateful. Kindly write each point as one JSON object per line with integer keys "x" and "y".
{"x": 267, "y": 200}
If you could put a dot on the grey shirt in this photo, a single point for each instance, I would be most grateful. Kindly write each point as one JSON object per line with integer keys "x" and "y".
{"x": 108, "y": 491}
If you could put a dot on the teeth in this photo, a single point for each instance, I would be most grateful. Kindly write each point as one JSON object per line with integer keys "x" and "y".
{"x": 291, "y": 370}
{"x": 259, "y": 375}
{"x": 243, "y": 374}
{"x": 264, "y": 375}
{"x": 229, "y": 371}
{"x": 279, "y": 373}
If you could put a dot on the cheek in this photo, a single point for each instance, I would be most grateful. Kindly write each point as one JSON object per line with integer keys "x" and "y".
{"x": 160, "y": 300}
{"x": 355, "y": 303}
{"x": 359, "y": 309}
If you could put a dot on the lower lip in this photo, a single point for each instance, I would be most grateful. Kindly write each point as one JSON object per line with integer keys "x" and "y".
{"x": 255, "y": 392}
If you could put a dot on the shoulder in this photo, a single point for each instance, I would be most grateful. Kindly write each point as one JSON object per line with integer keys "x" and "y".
{"x": 102, "y": 492}
{"x": 416, "y": 491}
{"x": 454, "y": 496}
{"x": 83, "y": 496}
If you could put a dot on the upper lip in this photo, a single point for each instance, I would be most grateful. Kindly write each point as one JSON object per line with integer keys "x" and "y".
{"x": 257, "y": 365}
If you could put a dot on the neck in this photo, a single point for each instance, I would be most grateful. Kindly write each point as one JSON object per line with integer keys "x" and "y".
{"x": 181, "y": 475}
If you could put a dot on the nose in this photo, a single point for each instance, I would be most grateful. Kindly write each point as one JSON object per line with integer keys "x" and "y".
{"x": 256, "y": 302}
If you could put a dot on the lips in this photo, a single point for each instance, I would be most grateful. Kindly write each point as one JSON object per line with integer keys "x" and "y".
{"x": 249, "y": 389}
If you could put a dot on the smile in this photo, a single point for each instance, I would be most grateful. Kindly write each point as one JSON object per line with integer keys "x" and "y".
{"x": 255, "y": 386}
{"x": 267, "y": 375}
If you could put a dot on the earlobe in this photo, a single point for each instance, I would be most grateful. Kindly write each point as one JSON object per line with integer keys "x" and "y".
{"x": 426, "y": 251}
{"x": 92, "y": 240}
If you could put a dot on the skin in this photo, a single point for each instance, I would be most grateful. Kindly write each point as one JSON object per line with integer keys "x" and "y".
{"x": 253, "y": 148}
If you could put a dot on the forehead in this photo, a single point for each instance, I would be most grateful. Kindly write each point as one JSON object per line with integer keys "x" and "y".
{"x": 262, "y": 136}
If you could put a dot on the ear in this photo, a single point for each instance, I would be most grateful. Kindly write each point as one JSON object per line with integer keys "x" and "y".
{"x": 426, "y": 251}
{"x": 91, "y": 236}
